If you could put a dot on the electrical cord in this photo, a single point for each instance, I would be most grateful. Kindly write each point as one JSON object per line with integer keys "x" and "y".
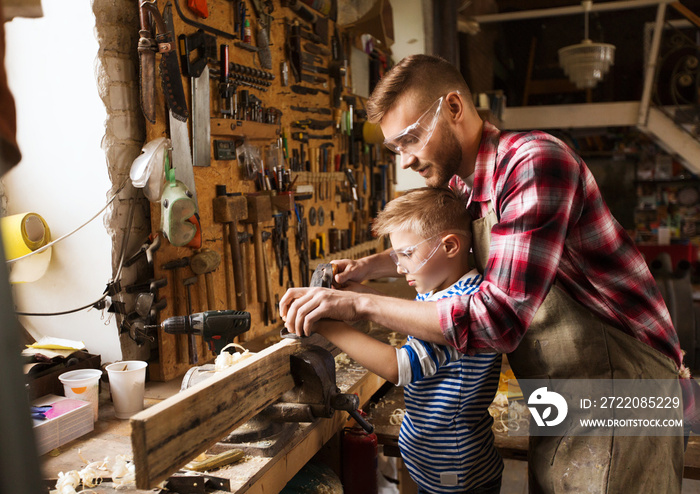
{"x": 121, "y": 256}
{"x": 53, "y": 242}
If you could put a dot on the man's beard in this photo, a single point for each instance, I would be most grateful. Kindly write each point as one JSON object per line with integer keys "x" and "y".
{"x": 447, "y": 161}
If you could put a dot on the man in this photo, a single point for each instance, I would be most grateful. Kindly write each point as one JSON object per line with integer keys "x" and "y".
{"x": 566, "y": 293}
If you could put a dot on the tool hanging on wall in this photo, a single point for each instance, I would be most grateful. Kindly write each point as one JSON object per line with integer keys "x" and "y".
{"x": 181, "y": 160}
{"x": 229, "y": 209}
{"x": 199, "y": 7}
{"x": 203, "y": 47}
{"x": 177, "y": 210}
{"x": 263, "y": 36}
{"x": 199, "y": 25}
{"x": 163, "y": 42}
{"x": 228, "y": 96}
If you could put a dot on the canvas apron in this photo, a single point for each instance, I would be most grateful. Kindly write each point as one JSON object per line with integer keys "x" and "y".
{"x": 566, "y": 341}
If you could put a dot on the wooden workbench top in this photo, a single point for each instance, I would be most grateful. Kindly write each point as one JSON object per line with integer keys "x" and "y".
{"x": 111, "y": 437}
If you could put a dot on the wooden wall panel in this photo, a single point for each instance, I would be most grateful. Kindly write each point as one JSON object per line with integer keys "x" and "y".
{"x": 172, "y": 358}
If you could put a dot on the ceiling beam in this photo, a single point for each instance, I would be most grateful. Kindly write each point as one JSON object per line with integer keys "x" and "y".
{"x": 560, "y": 11}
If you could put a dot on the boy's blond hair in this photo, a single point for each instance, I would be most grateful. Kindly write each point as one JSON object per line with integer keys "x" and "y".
{"x": 427, "y": 212}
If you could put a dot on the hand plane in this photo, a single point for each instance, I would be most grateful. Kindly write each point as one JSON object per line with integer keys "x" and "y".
{"x": 323, "y": 277}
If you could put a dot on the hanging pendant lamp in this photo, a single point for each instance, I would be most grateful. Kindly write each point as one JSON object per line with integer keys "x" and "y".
{"x": 586, "y": 63}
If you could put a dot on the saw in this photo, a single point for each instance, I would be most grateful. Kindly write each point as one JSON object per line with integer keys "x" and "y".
{"x": 155, "y": 37}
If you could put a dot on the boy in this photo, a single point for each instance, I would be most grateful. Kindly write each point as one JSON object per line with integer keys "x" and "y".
{"x": 445, "y": 439}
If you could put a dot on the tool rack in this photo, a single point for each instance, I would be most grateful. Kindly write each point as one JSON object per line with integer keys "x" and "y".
{"x": 344, "y": 209}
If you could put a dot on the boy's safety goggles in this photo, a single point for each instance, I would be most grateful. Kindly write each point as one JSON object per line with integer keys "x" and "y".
{"x": 415, "y": 137}
{"x": 409, "y": 260}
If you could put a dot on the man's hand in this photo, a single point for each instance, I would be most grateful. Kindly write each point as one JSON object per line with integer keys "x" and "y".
{"x": 354, "y": 286}
{"x": 300, "y": 308}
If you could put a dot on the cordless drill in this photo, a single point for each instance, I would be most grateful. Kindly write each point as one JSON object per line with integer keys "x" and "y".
{"x": 217, "y": 327}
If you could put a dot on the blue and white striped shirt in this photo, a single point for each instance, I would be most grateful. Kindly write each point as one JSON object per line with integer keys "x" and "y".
{"x": 446, "y": 440}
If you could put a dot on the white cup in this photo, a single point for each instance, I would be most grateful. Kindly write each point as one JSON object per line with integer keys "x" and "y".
{"x": 127, "y": 384}
{"x": 83, "y": 384}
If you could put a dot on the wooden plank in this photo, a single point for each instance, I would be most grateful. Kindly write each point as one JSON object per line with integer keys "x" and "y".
{"x": 168, "y": 435}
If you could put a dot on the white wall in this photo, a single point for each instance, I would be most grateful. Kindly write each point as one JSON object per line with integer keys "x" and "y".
{"x": 409, "y": 31}
{"x": 63, "y": 174}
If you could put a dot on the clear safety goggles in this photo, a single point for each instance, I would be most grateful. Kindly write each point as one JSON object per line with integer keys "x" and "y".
{"x": 409, "y": 260}
{"x": 415, "y": 137}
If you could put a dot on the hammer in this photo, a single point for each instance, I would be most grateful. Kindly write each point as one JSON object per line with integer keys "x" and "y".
{"x": 205, "y": 262}
{"x": 192, "y": 348}
{"x": 230, "y": 209}
{"x": 173, "y": 266}
{"x": 259, "y": 211}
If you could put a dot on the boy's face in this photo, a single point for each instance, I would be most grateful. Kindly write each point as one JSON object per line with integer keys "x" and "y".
{"x": 421, "y": 260}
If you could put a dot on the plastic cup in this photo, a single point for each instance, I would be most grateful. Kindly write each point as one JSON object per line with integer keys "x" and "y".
{"x": 83, "y": 384}
{"x": 127, "y": 384}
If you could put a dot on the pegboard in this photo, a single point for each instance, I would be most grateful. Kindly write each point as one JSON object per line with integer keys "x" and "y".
{"x": 336, "y": 179}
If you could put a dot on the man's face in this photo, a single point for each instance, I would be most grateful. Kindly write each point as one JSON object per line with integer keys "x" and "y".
{"x": 441, "y": 156}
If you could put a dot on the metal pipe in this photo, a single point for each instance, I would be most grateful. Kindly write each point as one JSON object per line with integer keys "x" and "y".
{"x": 651, "y": 66}
{"x": 571, "y": 10}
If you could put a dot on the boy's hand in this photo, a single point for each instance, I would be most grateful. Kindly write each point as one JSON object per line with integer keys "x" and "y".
{"x": 367, "y": 268}
{"x": 348, "y": 270}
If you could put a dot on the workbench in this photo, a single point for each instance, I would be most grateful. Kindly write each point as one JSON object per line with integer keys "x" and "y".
{"x": 111, "y": 437}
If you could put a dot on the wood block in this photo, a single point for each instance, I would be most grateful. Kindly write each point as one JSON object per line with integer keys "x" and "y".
{"x": 168, "y": 435}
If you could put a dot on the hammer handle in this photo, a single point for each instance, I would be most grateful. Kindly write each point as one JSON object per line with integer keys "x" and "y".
{"x": 209, "y": 281}
{"x": 237, "y": 262}
{"x": 260, "y": 273}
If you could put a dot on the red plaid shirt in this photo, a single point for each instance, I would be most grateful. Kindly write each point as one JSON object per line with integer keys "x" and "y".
{"x": 553, "y": 226}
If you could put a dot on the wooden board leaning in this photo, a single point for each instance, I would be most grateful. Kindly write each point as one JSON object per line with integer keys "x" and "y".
{"x": 168, "y": 435}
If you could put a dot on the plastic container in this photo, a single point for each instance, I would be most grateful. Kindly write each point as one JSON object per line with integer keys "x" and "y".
{"x": 83, "y": 384}
{"x": 127, "y": 384}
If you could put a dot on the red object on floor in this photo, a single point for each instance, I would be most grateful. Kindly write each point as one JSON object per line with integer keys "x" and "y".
{"x": 359, "y": 461}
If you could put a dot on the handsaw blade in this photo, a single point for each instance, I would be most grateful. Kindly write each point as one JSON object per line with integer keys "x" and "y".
{"x": 147, "y": 81}
{"x": 201, "y": 119}
{"x": 147, "y": 64}
{"x": 171, "y": 77}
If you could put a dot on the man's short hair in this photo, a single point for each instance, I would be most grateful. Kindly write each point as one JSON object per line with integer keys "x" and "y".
{"x": 423, "y": 77}
{"x": 427, "y": 212}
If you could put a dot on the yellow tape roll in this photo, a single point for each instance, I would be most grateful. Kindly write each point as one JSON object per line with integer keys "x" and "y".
{"x": 21, "y": 234}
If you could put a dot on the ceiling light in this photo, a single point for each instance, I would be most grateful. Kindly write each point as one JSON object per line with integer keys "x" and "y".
{"x": 587, "y": 62}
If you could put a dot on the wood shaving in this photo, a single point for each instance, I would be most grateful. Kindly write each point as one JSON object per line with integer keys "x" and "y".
{"x": 500, "y": 400}
{"x": 509, "y": 419}
{"x": 225, "y": 359}
{"x": 67, "y": 482}
{"x": 395, "y": 339}
{"x": 397, "y": 416}
{"x": 342, "y": 359}
{"x": 124, "y": 472}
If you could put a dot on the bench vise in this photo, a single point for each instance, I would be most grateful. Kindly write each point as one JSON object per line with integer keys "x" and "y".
{"x": 315, "y": 393}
